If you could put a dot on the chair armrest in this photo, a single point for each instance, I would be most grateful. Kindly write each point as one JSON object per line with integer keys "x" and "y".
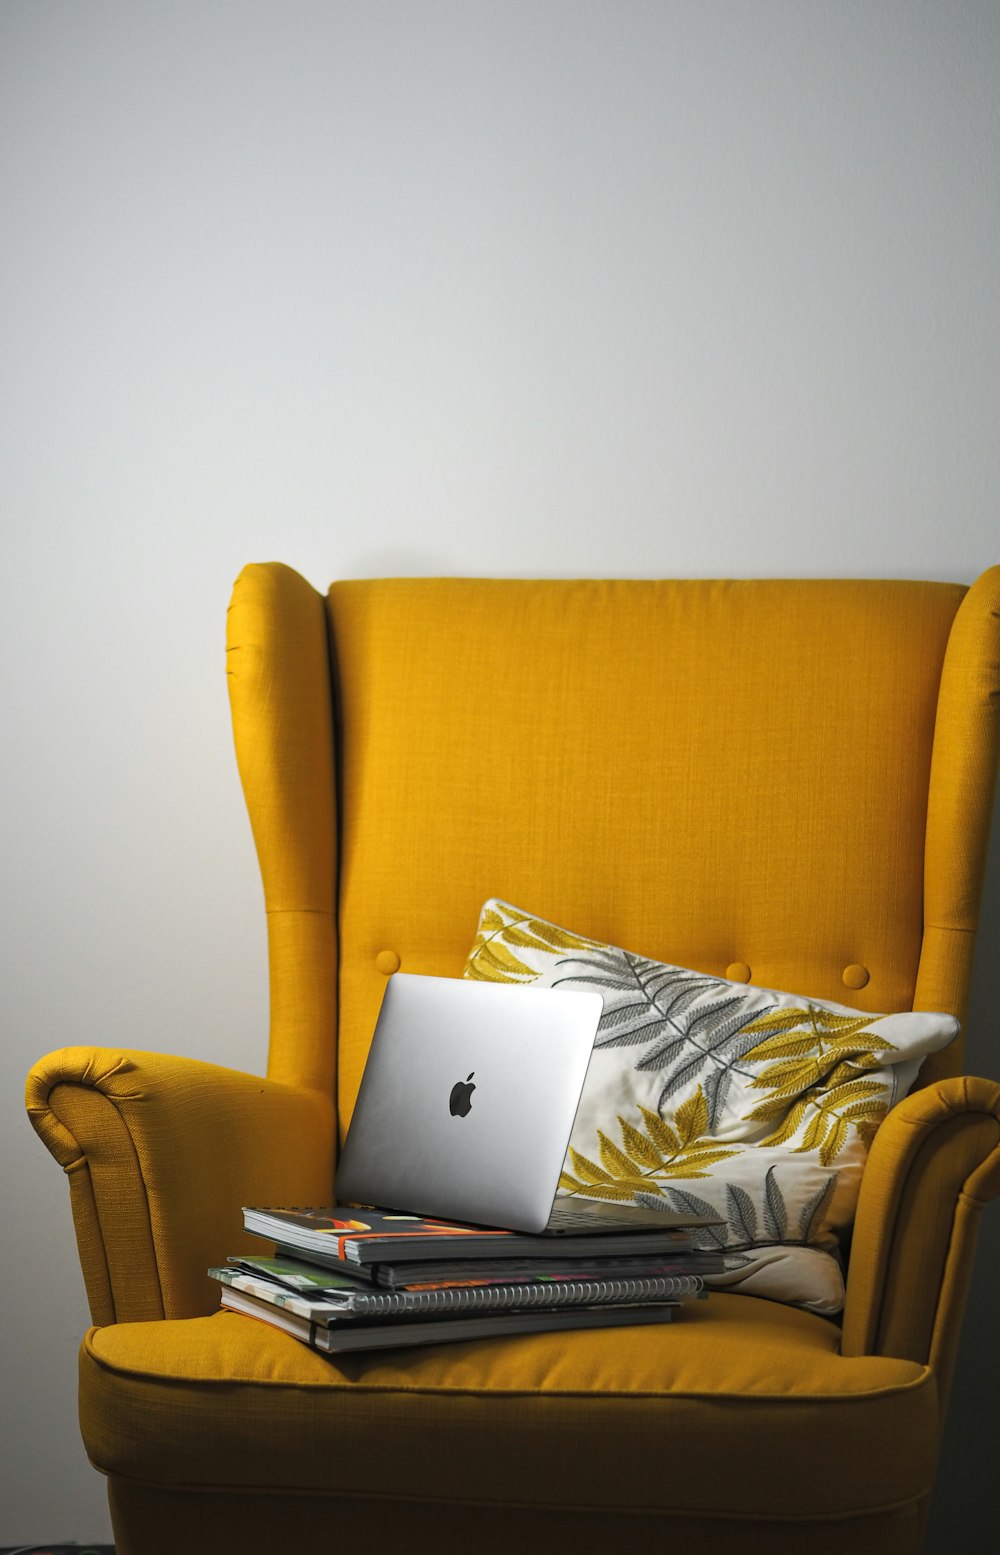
{"x": 933, "y": 1164}
{"x": 161, "y": 1154}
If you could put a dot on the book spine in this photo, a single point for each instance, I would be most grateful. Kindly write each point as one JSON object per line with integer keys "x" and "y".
{"x": 511, "y": 1298}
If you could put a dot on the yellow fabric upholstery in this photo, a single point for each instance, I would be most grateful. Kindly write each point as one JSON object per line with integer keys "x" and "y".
{"x": 260, "y": 1524}
{"x": 793, "y": 776}
{"x": 689, "y": 769}
{"x": 279, "y": 690}
{"x": 228, "y": 1401}
{"x": 960, "y": 798}
{"x": 170, "y": 1149}
{"x": 941, "y": 1146}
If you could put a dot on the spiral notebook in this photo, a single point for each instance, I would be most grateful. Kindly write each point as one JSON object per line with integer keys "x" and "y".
{"x": 345, "y": 1300}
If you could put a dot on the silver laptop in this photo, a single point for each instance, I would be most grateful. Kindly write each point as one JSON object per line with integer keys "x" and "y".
{"x": 467, "y": 1103}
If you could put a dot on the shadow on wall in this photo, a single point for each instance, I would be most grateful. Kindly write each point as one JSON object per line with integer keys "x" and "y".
{"x": 962, "y": 1505}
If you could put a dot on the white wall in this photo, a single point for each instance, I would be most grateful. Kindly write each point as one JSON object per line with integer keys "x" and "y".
{"x": 521, "y": 287}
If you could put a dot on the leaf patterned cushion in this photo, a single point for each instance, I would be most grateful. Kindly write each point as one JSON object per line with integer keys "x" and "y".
{"x": 709, "y": 1096}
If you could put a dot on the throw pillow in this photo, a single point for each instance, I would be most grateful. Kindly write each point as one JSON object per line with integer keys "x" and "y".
{"x": 714, "y": 1097}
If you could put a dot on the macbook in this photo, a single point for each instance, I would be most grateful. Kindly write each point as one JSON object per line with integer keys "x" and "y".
{"x": 467, "y": 1103}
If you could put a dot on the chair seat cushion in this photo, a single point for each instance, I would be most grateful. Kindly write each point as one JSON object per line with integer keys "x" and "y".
{"x": 740, "y": 1406}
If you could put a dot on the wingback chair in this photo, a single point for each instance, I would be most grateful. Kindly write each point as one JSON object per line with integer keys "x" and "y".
{"x": 797, "y": 777}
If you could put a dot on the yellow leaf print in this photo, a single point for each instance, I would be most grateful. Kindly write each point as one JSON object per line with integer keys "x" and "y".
{"x": 615, "y": 1160}
{"x": 495, "y": 963}
{"x": 834, "y": 1142}
{"x": 691, "y": 1117}
{"x": 533, "y": 934}
{"x": 588, "y": 1170}
{"x": 493, "y": 957}
{"x": 647, "y": 1157}
{"x": 660, "y": 1132}
{"x": 791, "y": 1120}
{"x": 620, "y": 1194}
{"x": 802, "y": 1045}
{"x": 639, "y": 1146}
{"x": 827, "y": 1117}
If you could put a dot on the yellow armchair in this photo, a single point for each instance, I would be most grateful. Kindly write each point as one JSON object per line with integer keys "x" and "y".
{"x": 794, "y": 775}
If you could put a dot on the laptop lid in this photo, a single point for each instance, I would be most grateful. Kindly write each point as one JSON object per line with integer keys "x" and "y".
{"x": 468, "y": 1100}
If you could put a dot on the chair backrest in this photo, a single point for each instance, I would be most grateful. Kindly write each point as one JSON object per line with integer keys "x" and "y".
{"x": 791, "y": 777}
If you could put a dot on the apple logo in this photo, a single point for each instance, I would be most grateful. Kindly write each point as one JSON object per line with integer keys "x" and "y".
{"x": 460, "y": 1100}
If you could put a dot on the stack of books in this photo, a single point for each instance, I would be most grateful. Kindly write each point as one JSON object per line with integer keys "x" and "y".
{"x": 365, "y": 1279}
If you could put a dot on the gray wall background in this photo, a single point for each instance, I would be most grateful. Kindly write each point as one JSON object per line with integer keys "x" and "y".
{"x": 545, "y": 288}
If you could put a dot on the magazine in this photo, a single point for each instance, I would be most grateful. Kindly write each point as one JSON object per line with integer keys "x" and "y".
{"x": 298, "y": 1274}
{"x": 370, "y": 1236}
